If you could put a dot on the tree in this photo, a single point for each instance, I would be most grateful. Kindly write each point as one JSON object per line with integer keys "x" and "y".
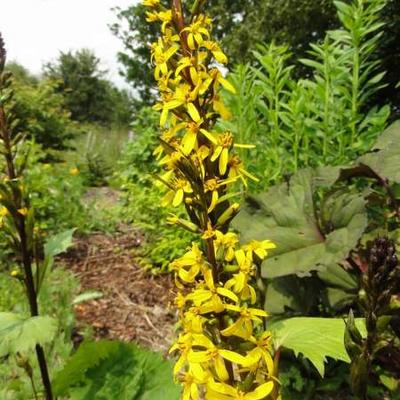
{"x": 88, "y": 94}
{"x": 41, "y": 111}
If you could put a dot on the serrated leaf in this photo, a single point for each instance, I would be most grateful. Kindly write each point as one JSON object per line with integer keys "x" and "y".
{"x": 21, "y": 334}
{"x": 314, "y": 338}
{"x": 286, "y": 215}
{"x": 59, "y": 243}
{"x": 106, "y": 370}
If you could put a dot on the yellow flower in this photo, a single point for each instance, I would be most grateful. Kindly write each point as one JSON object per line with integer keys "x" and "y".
{"x": 190, "y": 381}
{"x": 225, "y": 142}
{"x": 212, "y": 353}
{"x": 183, "y": 345}
{"x": 239, "y": 283}
{"x": 3, "y": 212}
{"x": 258, "y": 248}
{"x": 261, "y": 353}
{"x": 216, "y": 51}
{"x": 183, "y": 96}
{"x": 196, "y": 32}
{"x": 161, "y": 56}
{"x": 74, "y": 171}
{"x": 209, "y": 233}
{"x": 193, "y": 320}
{"x": 223, "y": 391}
{"x": 243, "y": 326}
{"x": 164, "y": 16}
{"x": 190, "y": 264}
{"x": 227, "y": 242}
{"x": 236, "y": 169}
{"x": 176, "y": 195}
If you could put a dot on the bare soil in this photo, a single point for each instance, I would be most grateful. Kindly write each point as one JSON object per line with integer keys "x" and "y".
{"x": 135, "y": 305}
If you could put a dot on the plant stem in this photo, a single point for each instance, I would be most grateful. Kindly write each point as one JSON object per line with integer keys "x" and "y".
{"x": 26, "y": 256}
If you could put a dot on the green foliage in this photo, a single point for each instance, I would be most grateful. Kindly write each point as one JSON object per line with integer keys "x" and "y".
{"x": 55, "y": 300}
{"x": 59, "y": 243}
{"x": 56, "y": 196}
{"x": 318, "y": 220}
{"x": 88, "y": 94}
{"x": 309, "y": 234}
{"x": 142, "y": 197}
{"x": 104, "y": 370}
{"x": 42, "y": 114}
{"x": 322, "y": 119}
{"x": 242, "y": 25}
{"x": 20, "y": 334}
{"x": 315, "y": 338}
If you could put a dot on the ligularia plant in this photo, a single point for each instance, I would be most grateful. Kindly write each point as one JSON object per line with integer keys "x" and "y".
{"x": 223, "y": 348}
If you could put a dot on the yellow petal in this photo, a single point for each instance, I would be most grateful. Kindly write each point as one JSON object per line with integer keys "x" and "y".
{"x": 261, "y": 392}
{"x": 233, "y": 357}
{"x": 226, "y": 84}
{"x": 220, "y": 57}
{"x": 194, "y": 114}
{"x": 223, "y": 161}
{"x": 178, "y": 198}
{"x": 220, "y": 369}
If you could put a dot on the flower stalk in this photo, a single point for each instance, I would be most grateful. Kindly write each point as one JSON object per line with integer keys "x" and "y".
{"x": 379, "y": 283}
{"x": 16, "y": 215}
{"x": 224, "y": 351}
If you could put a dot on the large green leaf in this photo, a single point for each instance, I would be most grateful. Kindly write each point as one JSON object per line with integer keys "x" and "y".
{"x": 314, "y": 338}
{"x": 21, "y": 334}
{"x": 107, "y": 370}
{"x": 384, "y": 159}
{"x": 305, "y": 241}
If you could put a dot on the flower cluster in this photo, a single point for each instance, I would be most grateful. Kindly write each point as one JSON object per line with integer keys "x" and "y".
{"x": 224, "y": 350}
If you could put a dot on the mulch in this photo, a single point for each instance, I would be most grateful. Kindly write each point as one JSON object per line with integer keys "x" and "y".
{"x": 135, "y": 305}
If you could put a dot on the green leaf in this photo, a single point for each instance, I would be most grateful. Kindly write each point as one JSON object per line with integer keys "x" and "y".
{"x": 87, "y": 296}
{"x": 288, "y": 215}
{"x": 21, "y": 334}
{"x": 315, "y": 338}
{"x": 383, "y": 160}
{"x": 59, "y": 243}
{"x": 106, "y": 370}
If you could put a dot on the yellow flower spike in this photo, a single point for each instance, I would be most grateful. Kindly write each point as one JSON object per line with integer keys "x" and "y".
{"x": 3, "y": 212}
{"x": 215, "y": 281}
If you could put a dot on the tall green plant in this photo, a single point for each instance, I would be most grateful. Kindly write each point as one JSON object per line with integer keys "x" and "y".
{"x": 324, "y": 118}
